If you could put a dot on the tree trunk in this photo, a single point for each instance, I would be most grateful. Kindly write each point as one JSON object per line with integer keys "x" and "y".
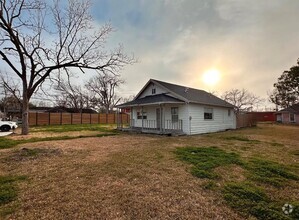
{"x": 25, "y": 114}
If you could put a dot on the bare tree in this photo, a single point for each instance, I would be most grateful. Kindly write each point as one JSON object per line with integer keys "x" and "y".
{"x": 128, "y": 99}
{"x": 103, "y": 89}
{"x": 72, "y": 96}
{"x": 241, "y": 99}
{"x": 10, "y": 93}
{"x": 39, "y": 40}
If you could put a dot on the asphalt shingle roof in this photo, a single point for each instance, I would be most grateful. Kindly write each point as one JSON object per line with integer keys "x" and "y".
{"x": 153, "y": 99}
{"x": 292, "y": 109}
{"x": 182, "y": 94}
{"x": 194, "y": 95}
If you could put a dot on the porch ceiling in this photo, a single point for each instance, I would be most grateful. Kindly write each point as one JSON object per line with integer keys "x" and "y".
{"x": 151, "y": 100}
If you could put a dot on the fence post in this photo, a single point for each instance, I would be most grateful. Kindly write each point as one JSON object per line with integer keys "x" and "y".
{"x": 71, "y": 118}
{"x": 60, "y": 118}
{"x": 106, "y": 118}
{"x": 81, "y": 118}
{"x": 99, "y": 115}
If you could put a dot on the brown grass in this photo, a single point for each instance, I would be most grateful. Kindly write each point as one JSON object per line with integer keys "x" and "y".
{"x": 18, "y": 136}
{"x": 132, "y": 176}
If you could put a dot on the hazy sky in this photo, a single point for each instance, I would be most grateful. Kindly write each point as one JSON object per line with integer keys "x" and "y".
{"x": 250, "y": 42}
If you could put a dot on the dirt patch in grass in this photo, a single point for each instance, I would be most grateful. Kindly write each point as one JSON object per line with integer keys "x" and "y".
{"x": 231, "y": 173}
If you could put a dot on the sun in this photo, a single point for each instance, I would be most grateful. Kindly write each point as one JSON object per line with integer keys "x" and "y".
{"x": 211, "y": 77}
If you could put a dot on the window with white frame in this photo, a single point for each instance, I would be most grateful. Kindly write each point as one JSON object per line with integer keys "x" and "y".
{"x": 174, "y": 114}
{"x": 208, "y": 113}
{"x": 292, "y": 117}
{"x": 140, "y": 114}
{"x": 228, "y": 112}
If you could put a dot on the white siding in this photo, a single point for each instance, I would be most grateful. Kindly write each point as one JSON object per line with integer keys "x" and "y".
{"x": 150, "y": 112}
{"x": 148, "y": 90}
{"x": 197, "y": 125}
{"x": 182, "y": 112}
{"x": 220, "y": 122}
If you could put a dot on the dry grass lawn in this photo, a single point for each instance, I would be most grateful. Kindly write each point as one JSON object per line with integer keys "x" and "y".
{"x": 134, "y": 176}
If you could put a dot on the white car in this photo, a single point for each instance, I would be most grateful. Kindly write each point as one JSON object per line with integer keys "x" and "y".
{"x": 7, "y": 125}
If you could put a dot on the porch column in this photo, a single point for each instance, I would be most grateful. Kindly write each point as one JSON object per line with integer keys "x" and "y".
{"x": 142, "y": 118}
{"x": 131, "y": 118}
{"x": 161, "y": 119}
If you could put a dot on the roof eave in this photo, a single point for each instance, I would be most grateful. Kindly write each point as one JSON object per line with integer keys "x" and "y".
{"x": 148, "y": 104}
{"x": 210, "y": 104}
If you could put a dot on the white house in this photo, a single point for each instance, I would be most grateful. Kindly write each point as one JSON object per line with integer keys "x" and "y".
{"x": 166, "y": 108}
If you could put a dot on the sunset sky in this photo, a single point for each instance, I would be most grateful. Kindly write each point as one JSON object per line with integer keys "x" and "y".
{"x": 247, "y": 44}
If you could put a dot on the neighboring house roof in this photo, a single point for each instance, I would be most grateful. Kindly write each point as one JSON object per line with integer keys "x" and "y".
{"x": 186, "y": 94}
{"x": 152, "y": 99}
{"x": 39, "y": 109}
{"x": 60, "y": 109}
{"x": 292, "y": 109}
{"x": 70, "y": 110}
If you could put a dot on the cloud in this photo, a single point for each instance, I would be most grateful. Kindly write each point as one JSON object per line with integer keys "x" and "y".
{"x": 250, "y": 42}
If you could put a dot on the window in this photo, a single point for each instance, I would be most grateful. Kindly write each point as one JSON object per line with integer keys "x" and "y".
{"x": 208, "y": 113}
{"x": 228, "y": 112}
{"x": 153, "y": 90}
{"x": 139, "y": 115}
{"x": 174, "y": 114}
{"x": 292, "y": 117}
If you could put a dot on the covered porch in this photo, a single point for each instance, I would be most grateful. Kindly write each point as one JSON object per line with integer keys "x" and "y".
{"x": 157, "y": 114}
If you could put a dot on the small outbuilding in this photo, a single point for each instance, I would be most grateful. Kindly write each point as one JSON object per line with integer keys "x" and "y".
{"x": 288, "y": 115}
{"x": 166, "y": 108}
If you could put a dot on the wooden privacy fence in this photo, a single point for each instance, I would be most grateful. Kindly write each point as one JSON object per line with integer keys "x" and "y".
{"x": 47, "y": 118}
{"x": 246, "y": 120}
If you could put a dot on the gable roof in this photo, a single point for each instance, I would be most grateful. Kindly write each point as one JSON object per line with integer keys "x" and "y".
{"x": 187, "y": 94}
{"x": 152, "y": 99}
{"x": 292, "y": 109}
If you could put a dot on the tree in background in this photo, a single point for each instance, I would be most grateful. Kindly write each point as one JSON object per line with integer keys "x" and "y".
{"x": 241, "y": 99}
{"x": 103, "y": 89}
{"x": 41, "y": 40}
{"x": 286, "y": 90}
{"x": 11, "y": 96}
{"x": 72, "y": 96}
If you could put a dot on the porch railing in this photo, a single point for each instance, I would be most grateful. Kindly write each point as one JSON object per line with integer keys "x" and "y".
{"x": 152, "y": 125}
{"x": 170, "y": 125}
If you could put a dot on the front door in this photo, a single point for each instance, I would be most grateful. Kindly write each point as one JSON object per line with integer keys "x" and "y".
{"x": 158, "y": 118}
